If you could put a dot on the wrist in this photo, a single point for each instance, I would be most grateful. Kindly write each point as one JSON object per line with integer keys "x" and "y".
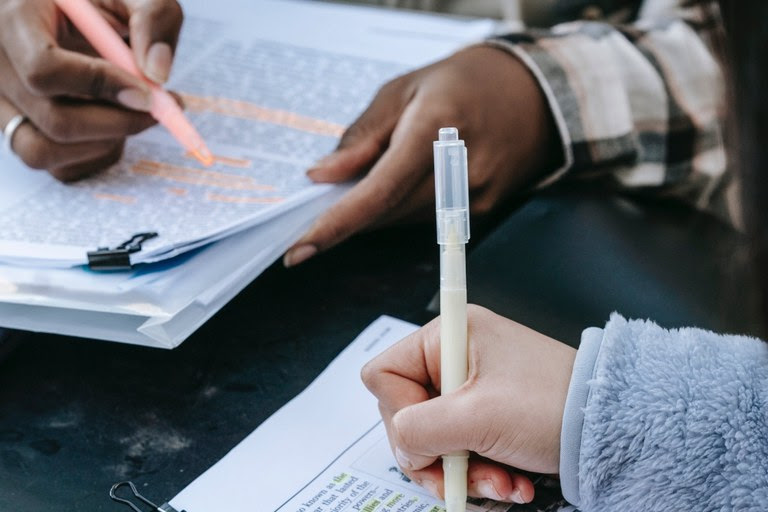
{"x": 539, "y": 138}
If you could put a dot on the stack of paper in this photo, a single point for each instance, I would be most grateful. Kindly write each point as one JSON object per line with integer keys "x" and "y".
{"x": 271, "y": 86}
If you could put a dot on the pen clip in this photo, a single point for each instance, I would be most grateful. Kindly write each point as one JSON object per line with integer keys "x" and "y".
{"x": 118, "y": 258}
{"x": 113, "y": 494}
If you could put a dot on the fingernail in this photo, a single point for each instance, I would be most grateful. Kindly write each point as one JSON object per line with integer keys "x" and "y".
{"x": 516, "y": 497}
{"x": 403, "y": 459}
{"x": 135, "y": 99}
{"x": 431, "y": 487}
{"x": 487, "y": 490}
{"x": 158, "y": 64}
{"x": 299, "y": 254}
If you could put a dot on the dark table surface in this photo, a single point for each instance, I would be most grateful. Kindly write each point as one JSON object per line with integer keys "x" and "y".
{"x": 78, "y": 415}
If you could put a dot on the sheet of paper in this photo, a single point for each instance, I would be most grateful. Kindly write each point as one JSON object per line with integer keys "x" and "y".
{"x": 326, "y": 451}
{"x": 270, "y": 85}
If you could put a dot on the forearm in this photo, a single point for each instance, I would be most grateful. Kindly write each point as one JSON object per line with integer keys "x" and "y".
{"x": 639, "y": 104}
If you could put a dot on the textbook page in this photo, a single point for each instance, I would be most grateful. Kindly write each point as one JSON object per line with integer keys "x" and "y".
{"x": 327, "y": 451}
{"x": 271, "y": 86}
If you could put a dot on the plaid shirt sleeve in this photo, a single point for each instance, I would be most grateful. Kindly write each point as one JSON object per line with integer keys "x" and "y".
{"x": 641, "y": 103}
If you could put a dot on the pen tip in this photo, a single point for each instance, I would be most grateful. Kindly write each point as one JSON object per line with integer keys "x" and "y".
{"x": 204, "y": 156}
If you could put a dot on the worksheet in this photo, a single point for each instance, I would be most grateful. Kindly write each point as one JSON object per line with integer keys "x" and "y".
{"x": 327, "y": 451}
{"x": 270, "y": 85}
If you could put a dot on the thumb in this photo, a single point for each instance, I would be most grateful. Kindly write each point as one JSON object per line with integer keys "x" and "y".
{"x": 424, "y": 431}
{"x": 367, "y": 138}
{"x": 154, "y": 32}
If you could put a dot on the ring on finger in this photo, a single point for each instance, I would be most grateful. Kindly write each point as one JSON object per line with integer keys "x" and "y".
{"x": 10, "y": 130}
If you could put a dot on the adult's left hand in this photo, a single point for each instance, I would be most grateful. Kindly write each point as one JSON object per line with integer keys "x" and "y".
{"x": 500, "y": 111}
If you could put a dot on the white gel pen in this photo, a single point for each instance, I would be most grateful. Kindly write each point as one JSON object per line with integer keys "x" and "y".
{"x": 452, "y": 212}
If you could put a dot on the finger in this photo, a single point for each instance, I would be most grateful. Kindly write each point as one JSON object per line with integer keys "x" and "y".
{"x": 404, "y": 374}
{"x": 391, "y": 179}
{"x": 488, "y": 479}
{"x": 111, "y": 155}
{"x": 431, "y": 428}
{"x": 39, "y": 152}
{"x": 68, "y": 120}
{"x": 46, "y": 69}
{"x": 405, "y": 464}
{"x": 418, "y": 206}
{"x": 154, "y": 31}
{"x": 366, "y": 138}
{"x": 485, "y": 479}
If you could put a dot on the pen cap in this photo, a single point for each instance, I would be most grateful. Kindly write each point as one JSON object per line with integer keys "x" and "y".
{"x": 451, "y": 188}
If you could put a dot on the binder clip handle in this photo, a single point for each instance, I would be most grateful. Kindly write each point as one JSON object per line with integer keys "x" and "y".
{"x": 127, "y": 501}
{"x": 118, "y": 258}
{"x": 115, "y": 497}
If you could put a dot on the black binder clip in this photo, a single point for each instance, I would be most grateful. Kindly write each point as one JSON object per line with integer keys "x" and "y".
{"x": 118, "y": 258}
{"x": 127, "y": 501}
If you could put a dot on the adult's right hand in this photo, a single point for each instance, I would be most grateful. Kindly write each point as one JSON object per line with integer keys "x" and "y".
{"x": 79, "y": 107}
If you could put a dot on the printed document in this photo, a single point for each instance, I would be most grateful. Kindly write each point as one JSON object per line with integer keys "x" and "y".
{"x": 271, "y": 86}
{"x": 327, "y": 451}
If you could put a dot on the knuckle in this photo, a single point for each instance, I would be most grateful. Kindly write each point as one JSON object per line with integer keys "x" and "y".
{"x": 333, "y": 231}
{"x": 473, "y": 310}
{"x": 445, "y": 113}
{"x": 479, "y": 314}
{"x": 33, "y": 151}
{"x": 170, "y": 12}
{"x": 374, "y": 377}
{"x": 354, "y": 132}
{"x": 65, "y": 175}
{"x": 393, "y": 86}
{"x": 113, "y": 155}
{"x": 138, "y": 123}
{"x": 97, "y": 79}
{"x": 402, "y": 434}
{"x": 484, "y": 203}
{"x": 39, "y": 71}
{"x": 174, "y": 10}
{"x": 55, "y": 125}
{"x": 369, "y": 375}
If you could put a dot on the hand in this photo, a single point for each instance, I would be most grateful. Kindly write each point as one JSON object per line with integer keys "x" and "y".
{"x": 80, "y": 108}
{"x": 500, "y": 111}
{"x": 509, "y": 412}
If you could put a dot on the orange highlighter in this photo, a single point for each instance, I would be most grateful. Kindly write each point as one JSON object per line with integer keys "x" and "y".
{"x": 84, "y": 15}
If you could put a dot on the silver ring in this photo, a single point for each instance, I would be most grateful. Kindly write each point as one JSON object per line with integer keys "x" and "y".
{"x": 10, "y": 130}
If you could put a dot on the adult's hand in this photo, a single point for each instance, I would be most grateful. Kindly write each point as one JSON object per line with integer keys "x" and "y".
{"x": 79, "y": 107}
{"x": 487, "y": 93}
{"x": 509, "y": 412}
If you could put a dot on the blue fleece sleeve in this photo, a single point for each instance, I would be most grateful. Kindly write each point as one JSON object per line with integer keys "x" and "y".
{"x": 675, "y": 420}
